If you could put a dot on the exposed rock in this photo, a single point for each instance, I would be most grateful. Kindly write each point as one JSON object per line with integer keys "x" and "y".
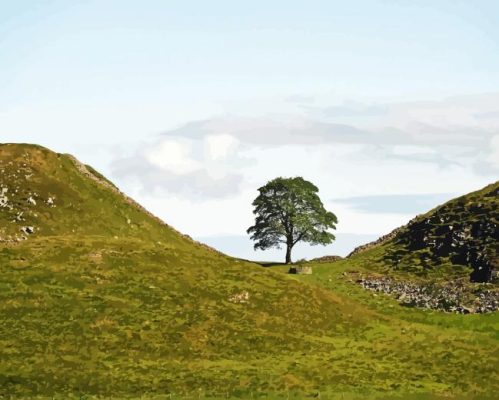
{"x": 453, "y": 297}
{"x": 28, "y": 230}
{"x": 3, "y": 197}
{"x": 240, "y": 298}
{"x": 463, "y": 232}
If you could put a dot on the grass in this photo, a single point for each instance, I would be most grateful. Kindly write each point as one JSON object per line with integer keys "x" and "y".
{"x": 93, "y": 306}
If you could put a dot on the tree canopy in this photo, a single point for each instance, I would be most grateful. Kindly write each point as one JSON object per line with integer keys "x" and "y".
{"x": 289, "y": 210}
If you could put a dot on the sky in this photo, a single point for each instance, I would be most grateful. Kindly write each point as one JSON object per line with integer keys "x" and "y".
{"x": 389, "y": 107}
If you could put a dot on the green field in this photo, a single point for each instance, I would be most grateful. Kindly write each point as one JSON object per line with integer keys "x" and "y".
{"x": 105, "y": 301}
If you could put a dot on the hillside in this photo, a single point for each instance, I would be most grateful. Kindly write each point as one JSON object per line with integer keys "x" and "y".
{"x": 100, "y": 299}
{"x": 458, "y": 238}
{"x": 48, "y": 194}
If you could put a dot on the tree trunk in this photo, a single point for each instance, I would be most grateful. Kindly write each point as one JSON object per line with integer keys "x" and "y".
{"x": 288, "y": 253}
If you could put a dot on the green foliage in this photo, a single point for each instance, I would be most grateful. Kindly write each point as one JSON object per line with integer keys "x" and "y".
{"x": 289, "y": 210}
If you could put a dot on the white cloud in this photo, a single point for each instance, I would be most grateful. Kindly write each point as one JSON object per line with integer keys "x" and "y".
{"x": 203, "y": 176}
{"x": 412, "y": 150}
{"x": 493, "y": 158}
{"x": 192, "y": 168}
{"x": 220, "y": 146}
{"x": 173, "y": 155}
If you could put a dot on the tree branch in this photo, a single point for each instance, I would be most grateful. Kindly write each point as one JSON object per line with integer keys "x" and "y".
{"x": 299, "y": 237}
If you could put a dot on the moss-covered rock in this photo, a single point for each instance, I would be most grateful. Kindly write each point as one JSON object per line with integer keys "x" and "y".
{"x": 460, "y": 237}
{"x": 463, "y": 231}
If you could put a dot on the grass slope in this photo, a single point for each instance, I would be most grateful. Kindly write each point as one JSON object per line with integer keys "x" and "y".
{"x": 457, "y": 239}
{"x": 57, "y": 195}
{"x": 103, "y": 300}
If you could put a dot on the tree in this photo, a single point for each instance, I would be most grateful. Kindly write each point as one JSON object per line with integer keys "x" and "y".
{"x": 289, "y": 210}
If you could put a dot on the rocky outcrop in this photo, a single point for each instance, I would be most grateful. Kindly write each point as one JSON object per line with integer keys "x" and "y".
{"x": 453, "y": 297}
{"x": 18, "y": 202}
{"x": 462, "y": 232}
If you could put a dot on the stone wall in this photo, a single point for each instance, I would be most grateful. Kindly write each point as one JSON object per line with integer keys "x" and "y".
{"x": 301, "y": 270}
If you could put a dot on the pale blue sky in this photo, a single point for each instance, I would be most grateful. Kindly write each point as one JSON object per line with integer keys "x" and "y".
{"x": 377, "y": 98}
{"x": 123, "y": 69}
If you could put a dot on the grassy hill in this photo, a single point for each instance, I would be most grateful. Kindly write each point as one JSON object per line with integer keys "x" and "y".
{"x": 57, "y": 195}
{"x": 457, "y": 239}
{"x": 100, "y": 299}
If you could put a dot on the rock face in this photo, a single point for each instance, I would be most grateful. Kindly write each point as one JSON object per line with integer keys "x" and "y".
{"x": 463, "y": 233}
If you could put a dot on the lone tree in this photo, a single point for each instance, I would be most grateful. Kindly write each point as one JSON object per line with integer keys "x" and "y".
{"x": 288, "y": 210}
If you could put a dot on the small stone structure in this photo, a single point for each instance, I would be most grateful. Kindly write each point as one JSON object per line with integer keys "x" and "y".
{"x": 300, "y": 270}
